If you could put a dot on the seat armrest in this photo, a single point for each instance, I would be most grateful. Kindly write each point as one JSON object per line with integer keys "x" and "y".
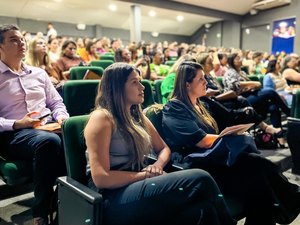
{"x": 80, "y": 189}
{"x": 78, "y": 204}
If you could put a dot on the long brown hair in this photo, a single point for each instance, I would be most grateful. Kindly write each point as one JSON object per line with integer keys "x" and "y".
{"x": 110, "y": 97}
{"x": 186, "y": 72}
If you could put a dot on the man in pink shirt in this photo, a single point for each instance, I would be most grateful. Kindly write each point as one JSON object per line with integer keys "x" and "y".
{"x": 27, "y": 93}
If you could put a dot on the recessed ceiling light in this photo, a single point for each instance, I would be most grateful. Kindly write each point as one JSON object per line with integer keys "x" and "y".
{"x": 180, "y": 18}
{"x": 112, "y": 7}
{"x": 152, "y": 13}
{"x": 57, "y": 0}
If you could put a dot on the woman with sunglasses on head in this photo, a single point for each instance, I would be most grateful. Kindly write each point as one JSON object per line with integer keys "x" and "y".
{"x": 118, "y": 136}
{"x": 232, "y": 160}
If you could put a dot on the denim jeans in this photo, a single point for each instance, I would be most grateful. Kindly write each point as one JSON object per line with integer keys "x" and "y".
{"x": 185, "y": 197}
{"x": 44, "y": 150}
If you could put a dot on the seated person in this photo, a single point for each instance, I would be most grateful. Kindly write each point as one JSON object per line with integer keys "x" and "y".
{"x": 68, "y": 59}
{"x": 158, "y": 69}
{"x": 167, "y": 85}
{"x": 37, "y": 56}
{"x": 26, "y": 92}
{"x": 240, "y": 172}
{"x": 262, "y": 100}
{"x": 289, "y": 70}
{"x": 118, "y": 136}
{"x": 274, "y": 80}
{"x": 143, "y": 63}
{"x": 237, "y": 108}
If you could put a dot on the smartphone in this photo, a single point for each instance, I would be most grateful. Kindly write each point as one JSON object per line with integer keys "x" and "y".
{"x": 44, "y": 116}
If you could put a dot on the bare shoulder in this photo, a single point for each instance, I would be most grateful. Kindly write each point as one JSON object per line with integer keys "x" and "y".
{"x": 100, "y": 119}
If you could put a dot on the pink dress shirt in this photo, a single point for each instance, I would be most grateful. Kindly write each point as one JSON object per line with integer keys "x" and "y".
{"x": 29, "y": 91}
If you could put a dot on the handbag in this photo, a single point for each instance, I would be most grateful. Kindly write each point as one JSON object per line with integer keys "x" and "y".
{"x": 264, "y": 140}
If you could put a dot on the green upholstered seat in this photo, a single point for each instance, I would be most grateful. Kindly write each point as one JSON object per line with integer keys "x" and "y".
{"x": 102, "y": 63}
{"x": 79, "y": 96}
{"x": 78, "y": 72}
{"x": 15, "y": 172}
{"x": 158, "y": 96}
{"x": 220, "y": 81}
{"x": 107, "y": 57}
{"x": 170, "y": 63}
{"x": 74, "y": 146}
{"x": 254, "y": 78}
{"x": 154, "y": 114}
{"x": 148, "y": 93}
{"x": 78, "y": 204}
{"x": 295, "y": 109}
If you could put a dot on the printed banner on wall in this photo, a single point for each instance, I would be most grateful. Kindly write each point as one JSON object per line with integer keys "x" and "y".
{"x": 283, "y": 35}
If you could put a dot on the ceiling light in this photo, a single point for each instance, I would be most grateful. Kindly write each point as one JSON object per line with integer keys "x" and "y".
{"x": 247, "y": 31}
{"x": 112, "y": 7}
{"x": 207, "y": 25}
{"x": 268, "y": 27}
{"x": 57, "y": 1}
{"x": 253, "y": 11}
{"x": 180, "y": 18}
{"x": 152, "y": 13}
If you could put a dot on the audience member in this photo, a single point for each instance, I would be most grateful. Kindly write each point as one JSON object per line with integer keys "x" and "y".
{"x": 262, "y": 100}
{"x": 242, "y": 174}
{"x": 90, "y": 53}
{"x": 53, "y": 49}
{"x": 68, "y": 59}
{"x": 274, "y": 80}
{"x": 143, "y": 63}
{"x": 118, "y": 136}
{"x": 289, "y": 71}
{"x": 26, "y": 92}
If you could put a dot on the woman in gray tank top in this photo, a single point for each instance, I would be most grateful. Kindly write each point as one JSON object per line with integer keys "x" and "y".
{"x": 118, "y": 136}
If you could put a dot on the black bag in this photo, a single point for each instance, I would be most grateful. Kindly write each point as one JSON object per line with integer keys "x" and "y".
{"x": 264, "y": 140}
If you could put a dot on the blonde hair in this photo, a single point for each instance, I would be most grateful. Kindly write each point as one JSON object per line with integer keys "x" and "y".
{"x": 32, "y": 57}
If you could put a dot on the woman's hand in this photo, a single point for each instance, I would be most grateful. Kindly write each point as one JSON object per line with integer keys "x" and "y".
{"x": 153, "y": 171}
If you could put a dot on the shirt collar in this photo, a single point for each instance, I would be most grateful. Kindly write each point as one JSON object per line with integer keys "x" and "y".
{"x": 4, "y": 68}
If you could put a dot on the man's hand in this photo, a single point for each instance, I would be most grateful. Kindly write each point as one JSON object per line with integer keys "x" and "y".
{"x": 27, "y": 121}
{"x": 61, "y": 119}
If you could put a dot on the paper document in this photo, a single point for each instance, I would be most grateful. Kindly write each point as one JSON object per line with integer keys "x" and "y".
{"x": 237, "y": 129}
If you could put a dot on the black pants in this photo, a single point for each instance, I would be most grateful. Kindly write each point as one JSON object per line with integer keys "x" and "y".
{"x": 268, "y": 101}
{"x": 258, "y": 184}
{"x": 185, "y": 197}
{"x": 44, "y": 150}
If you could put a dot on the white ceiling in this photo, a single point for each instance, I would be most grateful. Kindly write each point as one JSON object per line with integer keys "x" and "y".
{"x": 93, "y": 12}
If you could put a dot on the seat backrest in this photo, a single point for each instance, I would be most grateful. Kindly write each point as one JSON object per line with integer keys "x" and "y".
{"x": 74, "y": 147}
{"x": 220, "y": 81}
{"x": 107, "y": 57}
{"x": 170, "y": 63}
{"x": 79, "y": 96}
{"x": 148, "y": 94}
{"x": 158, "y": 96}
{"x": 295, "y": 109}
{"x": 102, "y": 63}
{"x": 154, "y": 114}
{"x": 254, "y": 78}
{"x": 78, "y": 72}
